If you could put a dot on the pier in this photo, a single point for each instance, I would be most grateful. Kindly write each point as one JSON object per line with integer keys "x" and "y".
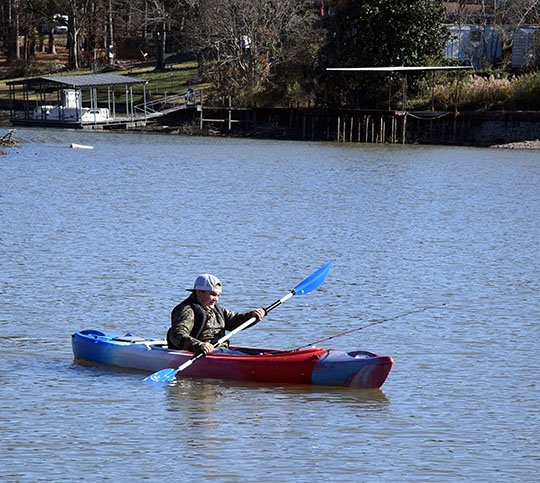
{"x": 475, "y": 128}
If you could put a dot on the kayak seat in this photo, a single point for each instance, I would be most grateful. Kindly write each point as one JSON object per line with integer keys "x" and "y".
{"x": 130, "y": 338}
{"x": 140, "y": 340}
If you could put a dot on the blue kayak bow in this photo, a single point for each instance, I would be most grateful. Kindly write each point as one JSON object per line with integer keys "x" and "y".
{"x": 314, "y": 281}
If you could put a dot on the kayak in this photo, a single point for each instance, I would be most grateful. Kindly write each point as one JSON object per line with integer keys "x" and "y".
{"x": 314, "y": 365}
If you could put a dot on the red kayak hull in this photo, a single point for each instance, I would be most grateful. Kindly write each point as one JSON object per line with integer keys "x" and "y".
{"x": 359, "y": 369}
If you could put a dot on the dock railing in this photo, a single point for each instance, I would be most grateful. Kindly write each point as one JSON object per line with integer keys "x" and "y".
{"x": 166, "y": 104}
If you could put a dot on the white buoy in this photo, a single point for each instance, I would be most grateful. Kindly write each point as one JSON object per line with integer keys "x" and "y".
{"x": 80, "y": 146}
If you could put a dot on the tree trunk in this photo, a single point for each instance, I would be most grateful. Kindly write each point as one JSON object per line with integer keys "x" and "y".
{"x": 73, "y": 37}
{"x": 159, "y": 45}
{"x": 12, "y": 48}
{"x": 110, "y": 48}
{"x": 51, "y": 47}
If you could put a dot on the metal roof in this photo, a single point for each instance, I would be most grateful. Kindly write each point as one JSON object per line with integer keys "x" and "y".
{"x": 401, "y": 68}
{"x": 80, "y": 81}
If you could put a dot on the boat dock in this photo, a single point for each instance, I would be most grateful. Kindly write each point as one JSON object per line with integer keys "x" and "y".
{"x": 93, "y": 101}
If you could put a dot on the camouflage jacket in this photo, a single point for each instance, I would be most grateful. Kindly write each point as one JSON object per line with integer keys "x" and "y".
{"x": 192, "y": 324}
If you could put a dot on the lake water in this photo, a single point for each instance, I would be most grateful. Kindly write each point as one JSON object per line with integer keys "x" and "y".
{"x": 109, "y": 239}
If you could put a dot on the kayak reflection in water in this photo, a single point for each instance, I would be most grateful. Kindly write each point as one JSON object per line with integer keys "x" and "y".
{"x": 199, "y": 321}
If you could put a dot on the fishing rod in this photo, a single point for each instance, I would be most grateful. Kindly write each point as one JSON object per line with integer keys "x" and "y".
{"x": 374, "y": 322}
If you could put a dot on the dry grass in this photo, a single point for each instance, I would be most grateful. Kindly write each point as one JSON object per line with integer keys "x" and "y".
{"x": 490, "y": 92}
{"x": 526, "y": 94}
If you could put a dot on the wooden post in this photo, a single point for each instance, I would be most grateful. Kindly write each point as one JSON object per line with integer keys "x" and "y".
{"x": 338, "y": 127}
{"x": 403, "y": 137}
{"x": 144, "y": 102}
{"x": 366, "y": 129}
{"x": 127, "y": 99}
{"x": 230, "y": 113}
{"x": 132, "y": 103}
{"x": 328, "y": 128}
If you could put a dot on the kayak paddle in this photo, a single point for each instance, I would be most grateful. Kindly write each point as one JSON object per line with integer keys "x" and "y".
{"x": 315, "y": 280}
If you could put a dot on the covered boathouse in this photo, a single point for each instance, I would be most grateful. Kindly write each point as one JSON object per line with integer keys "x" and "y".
{"x": 93, "y": 101}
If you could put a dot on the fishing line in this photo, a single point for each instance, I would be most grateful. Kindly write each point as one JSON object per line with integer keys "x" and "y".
{"x": 371, "y": 324}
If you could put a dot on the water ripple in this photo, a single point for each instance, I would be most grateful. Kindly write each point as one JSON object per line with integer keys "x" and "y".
{"x": 111, "y": 238}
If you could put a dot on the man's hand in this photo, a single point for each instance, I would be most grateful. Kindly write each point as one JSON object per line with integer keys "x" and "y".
{"x": 258, "y": 314}
{"x": 207, "y": 348}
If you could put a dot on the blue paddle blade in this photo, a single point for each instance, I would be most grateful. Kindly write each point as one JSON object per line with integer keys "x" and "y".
{"x": 165, "y": 375}
{"x": 315, "y": 280}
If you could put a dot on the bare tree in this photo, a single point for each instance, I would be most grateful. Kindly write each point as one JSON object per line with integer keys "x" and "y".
{"x": 12, "y": 31}
{"x": 162, "y": 18}
{"x": 516, "y": 13}
{"x": 241, "y": 43}
{"x": 77, "y": 13}
{"x": 39, "y": 17}
{"x": 158, "y": 21}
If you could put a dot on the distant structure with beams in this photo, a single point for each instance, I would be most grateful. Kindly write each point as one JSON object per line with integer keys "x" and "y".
{"x": 93, "y": 101}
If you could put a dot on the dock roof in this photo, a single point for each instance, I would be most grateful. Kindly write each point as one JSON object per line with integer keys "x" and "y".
{"x": 78, "y": 81}
{"x": 402, "y": 68}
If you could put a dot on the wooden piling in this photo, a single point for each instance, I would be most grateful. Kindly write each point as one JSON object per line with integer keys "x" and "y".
{"x": 328, "y": 128}
{"x": 230, "y": 113}
{"x": 404, "y": 130}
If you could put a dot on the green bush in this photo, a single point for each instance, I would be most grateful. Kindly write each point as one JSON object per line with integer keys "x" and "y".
{"x": 526, "y": 92}
{"x": 31, "y": 69}
{"x": 496, "y": 91}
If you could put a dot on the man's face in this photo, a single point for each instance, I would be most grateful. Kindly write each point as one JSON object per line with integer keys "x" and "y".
{"x": 209, "y": 298}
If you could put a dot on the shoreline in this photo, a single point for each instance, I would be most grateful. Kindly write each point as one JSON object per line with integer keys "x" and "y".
{"x": 530, "y": 145}
{"x": 518, "y": 130}
{"x": 527, "y": 145}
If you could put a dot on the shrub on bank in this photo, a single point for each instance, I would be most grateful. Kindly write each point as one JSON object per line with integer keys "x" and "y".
{"x": 32, "y": 69}
{"x": 526, "y": 93}
{"x": 491, "y": 92}
{"x": 486, "y": 92}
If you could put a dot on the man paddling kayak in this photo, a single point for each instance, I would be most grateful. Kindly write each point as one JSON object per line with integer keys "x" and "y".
{"x": 199, "y": 321}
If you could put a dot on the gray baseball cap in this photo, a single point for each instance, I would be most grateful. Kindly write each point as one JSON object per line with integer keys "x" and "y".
{"x": 206, "y": 282}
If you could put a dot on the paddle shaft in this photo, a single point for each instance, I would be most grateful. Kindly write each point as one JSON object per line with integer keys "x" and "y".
{"x": 241, "y": 327}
